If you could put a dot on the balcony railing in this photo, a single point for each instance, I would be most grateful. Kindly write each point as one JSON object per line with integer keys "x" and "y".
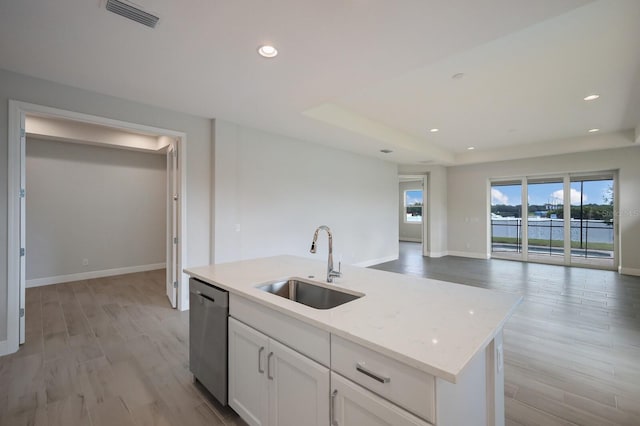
{"x": 589, "y": 238}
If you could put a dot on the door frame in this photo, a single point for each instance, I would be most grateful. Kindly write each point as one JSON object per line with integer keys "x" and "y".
{"x": 16, "y": 282}
{"x": 422, "y": 178}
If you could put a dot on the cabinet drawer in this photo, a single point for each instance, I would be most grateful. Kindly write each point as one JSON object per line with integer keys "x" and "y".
{"x": 353, "y": 405}
{"x": 409, "y": 388}
{"x": 302, "y": 337}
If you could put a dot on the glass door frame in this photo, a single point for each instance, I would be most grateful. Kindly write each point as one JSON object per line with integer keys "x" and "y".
{"x": 566, "y": 184}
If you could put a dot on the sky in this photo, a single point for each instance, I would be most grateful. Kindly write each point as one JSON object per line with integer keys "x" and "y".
{"x": 413, "y": 197}
{"x": 595, "y": 192}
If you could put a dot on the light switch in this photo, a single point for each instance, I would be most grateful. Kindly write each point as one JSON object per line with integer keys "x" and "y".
{"x": 499, "y": 358}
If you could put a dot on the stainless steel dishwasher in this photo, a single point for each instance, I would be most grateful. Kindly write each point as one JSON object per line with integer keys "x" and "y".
{"x": 208, "y": 319}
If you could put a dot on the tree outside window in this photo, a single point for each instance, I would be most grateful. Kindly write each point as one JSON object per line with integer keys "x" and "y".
{"x": 413, "y": 204}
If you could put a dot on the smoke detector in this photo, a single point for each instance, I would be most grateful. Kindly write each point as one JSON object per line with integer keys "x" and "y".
{"x": 132, "y": 12}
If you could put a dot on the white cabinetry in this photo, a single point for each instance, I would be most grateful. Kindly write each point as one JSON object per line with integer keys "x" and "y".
{"x": 353, "y": 405}
{"x": 248, "y": 386}
{"x": 271, "y": 384}
{"x": 405, "y": 386}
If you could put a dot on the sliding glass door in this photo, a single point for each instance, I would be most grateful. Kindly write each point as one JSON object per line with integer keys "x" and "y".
{"x": 592, "y": 221}
{"x": 567, "y": 219}
{"x": 506, "y": 218}
{"x": 545, "y": 225}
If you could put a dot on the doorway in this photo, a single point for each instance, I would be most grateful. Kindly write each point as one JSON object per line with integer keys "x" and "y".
{"x": 412, "y": 210}
{"x": 168, "y": 142}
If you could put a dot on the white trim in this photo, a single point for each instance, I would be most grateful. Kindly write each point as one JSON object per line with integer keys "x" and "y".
{"x": 38, "y": 282}
{"x": 372, "y": 262}
{"x": 435, "y": 254}
{"x": 469, "y": 254}
{"x": 630, "y": 271}
{"x": 13, "y": 232}
{"x": 411, "y": 240}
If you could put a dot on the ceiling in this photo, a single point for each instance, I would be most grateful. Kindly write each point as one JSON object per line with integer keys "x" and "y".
{"x": 359, "y": 75}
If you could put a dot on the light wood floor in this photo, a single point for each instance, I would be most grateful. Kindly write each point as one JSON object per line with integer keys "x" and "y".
{"x": 572, "y": 350}
{"x": 101, "y": 352}
{"x": 110, "y": 351}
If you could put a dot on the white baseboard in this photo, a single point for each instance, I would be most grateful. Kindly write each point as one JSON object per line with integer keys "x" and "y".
{"x": 366, "y": 263}
{"x": 37, "y": 282}
{"x": 411, "y": 240}
{"x": 630, "y": 271}
{"x": 468, "y": 254}
{"x": 436, "y": 253}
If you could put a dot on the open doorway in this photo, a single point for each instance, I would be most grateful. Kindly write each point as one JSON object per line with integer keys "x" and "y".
{"x": 412, "y": 210}
{"x": 164, "y": 143}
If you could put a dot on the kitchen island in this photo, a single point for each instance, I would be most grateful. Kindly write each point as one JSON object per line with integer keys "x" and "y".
{"x": 410, "y": 351}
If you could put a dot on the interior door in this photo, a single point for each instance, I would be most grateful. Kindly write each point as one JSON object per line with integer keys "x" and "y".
{"x": 23, "y": 262}
{"x": 172, "y": 225}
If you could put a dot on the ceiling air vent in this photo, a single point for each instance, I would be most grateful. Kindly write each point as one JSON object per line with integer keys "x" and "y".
{"x": 131, "y": 12}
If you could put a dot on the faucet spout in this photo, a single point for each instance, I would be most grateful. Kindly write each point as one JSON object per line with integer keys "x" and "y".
{"x": 330, "y": 272}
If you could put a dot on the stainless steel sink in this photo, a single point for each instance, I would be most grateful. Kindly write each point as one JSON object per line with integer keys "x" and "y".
{"x": 309, "y": 293}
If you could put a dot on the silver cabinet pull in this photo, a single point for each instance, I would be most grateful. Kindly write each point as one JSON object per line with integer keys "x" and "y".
{"x": 364, "y": 370}
{"x": 260, "y": 370}
{"x": 334, "y": 394}
{"x": 269, "y": 376}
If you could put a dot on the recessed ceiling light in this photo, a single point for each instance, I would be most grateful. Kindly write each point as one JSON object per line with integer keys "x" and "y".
{"x": 386, "y": 151}
{"x": 457, "y": 76}
{"x": 591, "y": 97}
{"x": 434, "y": 130}
{"x": 471, "y": 148}
{"x": 593, "y": 130}
{"x": 267, "y": 51}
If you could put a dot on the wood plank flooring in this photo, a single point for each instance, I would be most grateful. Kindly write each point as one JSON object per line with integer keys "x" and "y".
{"x": 105, "y": 352}
{"x": 572, "y": 350}
{"x": 110, "y": 351}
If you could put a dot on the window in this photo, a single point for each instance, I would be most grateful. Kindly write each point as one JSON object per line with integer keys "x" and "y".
{"x": 413, "y": 206}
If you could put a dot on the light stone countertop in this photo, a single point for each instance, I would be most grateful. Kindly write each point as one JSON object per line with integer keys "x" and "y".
{"x": 434, "y": 326}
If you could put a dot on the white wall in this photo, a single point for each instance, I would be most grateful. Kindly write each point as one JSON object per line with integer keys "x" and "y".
{"x": 468, "y": 201}
{"x": 27, "y": 89}
{"x": 408, "y": 231}
{"x": 105, "y": 205}
{"x": 271, "y": 192}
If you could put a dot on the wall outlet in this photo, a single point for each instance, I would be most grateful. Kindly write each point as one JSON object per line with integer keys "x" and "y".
{"x": 85, "y": 262}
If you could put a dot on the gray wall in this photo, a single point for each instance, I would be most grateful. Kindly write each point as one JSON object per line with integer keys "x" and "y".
{"x": 409, "y": 231}
{"x": 23, "y": 88}
{"x": 468, "y": 200}
{"x": 271, "y": 192}
{"x": 106, "y": 205}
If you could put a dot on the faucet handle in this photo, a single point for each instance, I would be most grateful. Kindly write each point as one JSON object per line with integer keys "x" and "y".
{"x": 336, "y": 274}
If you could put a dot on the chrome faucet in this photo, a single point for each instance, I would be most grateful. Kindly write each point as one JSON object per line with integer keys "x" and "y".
{"x": 331, "y": 274}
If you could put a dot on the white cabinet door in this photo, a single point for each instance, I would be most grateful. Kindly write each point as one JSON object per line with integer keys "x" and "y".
{"x": 248, "y": 386}
{"x": 353, "y": 405}
{"x": 298, "y": 388}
